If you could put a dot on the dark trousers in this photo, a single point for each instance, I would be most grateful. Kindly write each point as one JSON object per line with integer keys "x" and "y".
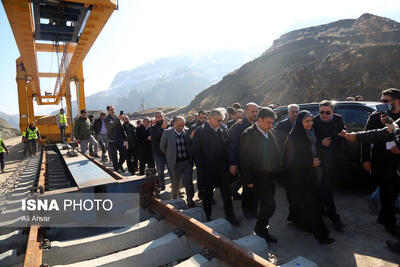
{"x": 389, "y": 184}
{"x": 145, "y": 158}
{"x": 2, "y": 161}
{"x": 62, "y": 132}
{"x": 130, "y": 161}
{"x": 32, "y": 146}
{"x": 161, "y": 164}
{"x": 326, "y": 192}
{"x": 249, "y": 200}
{"x": 224, "y": 187}
{"x": 264, "y": 188}
{"x": 113, "y": 147}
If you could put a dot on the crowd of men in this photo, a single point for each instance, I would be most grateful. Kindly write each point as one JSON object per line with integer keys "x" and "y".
{"x": 246, "y": 148}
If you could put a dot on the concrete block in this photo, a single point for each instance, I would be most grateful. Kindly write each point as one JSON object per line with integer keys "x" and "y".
{"x": 154, "y": 253}
{"x": 254, "y": 244}
{"x": 178, "y": 203}
{"x": 197, "y": 213}
{"x": 95, "y": 246}
{"x": 300, "y": 262}
{"x": 220, "y": 226}
{"x": 195, "y": 261}
{"x": 12, "y": 240}
{"x": 10, "y": 258}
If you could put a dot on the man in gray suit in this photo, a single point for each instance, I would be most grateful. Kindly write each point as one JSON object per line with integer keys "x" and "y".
{"x": 175, "y": 144}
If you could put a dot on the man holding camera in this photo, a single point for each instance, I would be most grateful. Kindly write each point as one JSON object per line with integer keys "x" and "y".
{"x": 379, "y": 160}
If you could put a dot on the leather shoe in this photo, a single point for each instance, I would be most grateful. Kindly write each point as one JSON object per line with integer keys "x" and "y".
{"x": 270, "y": 238}
{"x": 393, "y": 246}
{"x": 233, "y": 221}
{"x": 266, "y": 235}
{"x": 190, "y": 204}
{"x": 326, "y": 240}
{"x": 338, "y": 225}
{"x": 393, "y": 230}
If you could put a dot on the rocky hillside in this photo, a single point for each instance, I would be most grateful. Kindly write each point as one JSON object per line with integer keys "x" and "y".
{"x": 331, "y": 61}
{"x": 6, "y": 130}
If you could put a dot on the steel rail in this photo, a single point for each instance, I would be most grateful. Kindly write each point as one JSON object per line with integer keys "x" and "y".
{"x": 34, "y": 252}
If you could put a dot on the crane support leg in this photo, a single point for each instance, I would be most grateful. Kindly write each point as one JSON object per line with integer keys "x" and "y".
{"x": 22, "y": 96}
{"x": 80, "y": 90}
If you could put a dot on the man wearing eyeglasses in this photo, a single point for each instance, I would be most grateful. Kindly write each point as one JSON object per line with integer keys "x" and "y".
{"x": 327, "y": 126}
{"x": 382, "y": 163}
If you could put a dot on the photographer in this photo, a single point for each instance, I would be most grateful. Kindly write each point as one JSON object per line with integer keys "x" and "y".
{"x": 382, "y": 163}
{"x": 389, "y": 133}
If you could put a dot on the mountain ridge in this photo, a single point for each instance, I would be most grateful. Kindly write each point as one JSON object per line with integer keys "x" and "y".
{"x": 333, "y": 60}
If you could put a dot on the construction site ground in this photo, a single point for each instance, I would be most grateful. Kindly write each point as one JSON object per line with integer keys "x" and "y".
{"x": 361, "y": 243}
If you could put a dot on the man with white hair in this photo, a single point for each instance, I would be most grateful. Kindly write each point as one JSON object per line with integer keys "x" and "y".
{"x": 287, "y": 124}
{"x": 175, "y": 146}
{"x": 210, "y": 152}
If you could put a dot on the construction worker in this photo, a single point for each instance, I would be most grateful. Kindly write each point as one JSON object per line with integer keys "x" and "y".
{"x": 62, "y": 123}
{"x": 32, "y": 135}
{"x": 3, "y": 149}
{"x": 83, "y": 133}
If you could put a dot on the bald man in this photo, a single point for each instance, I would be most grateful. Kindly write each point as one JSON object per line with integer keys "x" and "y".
{"x": 175, "y": 146}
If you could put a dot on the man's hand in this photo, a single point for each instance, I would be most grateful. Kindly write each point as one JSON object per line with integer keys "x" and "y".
{"x": 149, "y": 138}
{"x": 395, "y": 150}
{"x": 326, "y": 141}
{"x": 120, "y": 117}
{"x": 233, "y": 170}
{"x": 390, "y": 128}
{"x": 316, "y": 162}
{"x": 77, "y": 141}
{"x": 250, "y": 186}
{"x": 126, "y": 144}
{"x": 342, "y": 133}
{"x": 192, "y": 134}
{"x": 351, "y": 137}
{"x": 367, "y": 166}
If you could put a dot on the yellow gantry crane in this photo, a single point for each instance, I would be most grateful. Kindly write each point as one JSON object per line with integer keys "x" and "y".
{"x": 68, "y": 28}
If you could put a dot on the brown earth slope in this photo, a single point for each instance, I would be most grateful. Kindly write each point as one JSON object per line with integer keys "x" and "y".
{"x": 335, "y": 60}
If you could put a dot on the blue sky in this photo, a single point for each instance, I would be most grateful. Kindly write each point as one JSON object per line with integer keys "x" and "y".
{"x": 142, "y": 31}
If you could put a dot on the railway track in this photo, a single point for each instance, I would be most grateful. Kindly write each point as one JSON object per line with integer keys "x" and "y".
{"x": 168, "y": 235}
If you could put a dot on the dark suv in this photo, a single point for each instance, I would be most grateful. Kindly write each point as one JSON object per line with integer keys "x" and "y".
{"x": 355, "y": 115}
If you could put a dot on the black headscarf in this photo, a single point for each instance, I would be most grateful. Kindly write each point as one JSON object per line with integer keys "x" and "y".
{"x": 298, "y": 132}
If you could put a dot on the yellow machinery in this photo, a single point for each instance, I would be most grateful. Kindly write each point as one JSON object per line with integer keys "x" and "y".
{"x": 55, "y": 26}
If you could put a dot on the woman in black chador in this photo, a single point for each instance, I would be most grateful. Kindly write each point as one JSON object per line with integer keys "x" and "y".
{"x": 303, "y": 177}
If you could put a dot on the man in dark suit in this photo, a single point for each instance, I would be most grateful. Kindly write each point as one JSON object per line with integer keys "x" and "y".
{"x": 382, "y": 164}
{"x": 284, "y": 127}
{"x": 144, "y": 146}
{"x": 260, "y": 161}
{"x": 327, "y": 126}
{"x": 158, "y": 156}
{"x": 130, "y": 132}
{"x": 201, "y": 119}
{"x": 210, "y": 152}
{"x": 249, "y": 199}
